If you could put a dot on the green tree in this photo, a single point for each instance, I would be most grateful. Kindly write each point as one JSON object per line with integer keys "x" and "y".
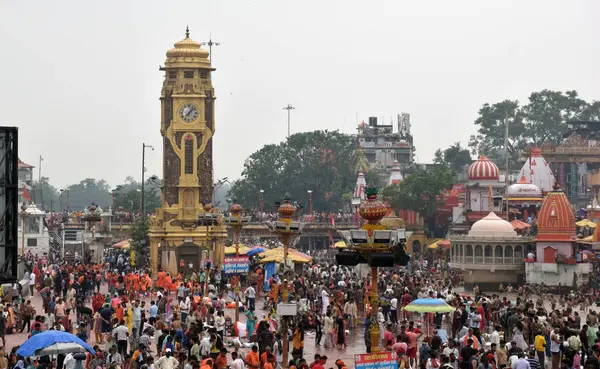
{"x": 492, "y": 123}
{"x": 86, "y": 192}
{"x": 542, "y": 119}
{"x": 455, "y": 157}
{"x": 45, "y": 194}
{"x": 321, "y": 161}
{"x": 421, "y": 192}
{"x": 139, "y": 240}
{"x": 127, "y": 196}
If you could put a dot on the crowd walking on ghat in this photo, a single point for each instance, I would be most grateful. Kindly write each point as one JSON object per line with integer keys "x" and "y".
{"x": 139, "y": 321}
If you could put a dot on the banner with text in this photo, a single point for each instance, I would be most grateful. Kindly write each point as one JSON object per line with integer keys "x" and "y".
{"x": 236, "y": 264}
{"x": 380, "y": 360}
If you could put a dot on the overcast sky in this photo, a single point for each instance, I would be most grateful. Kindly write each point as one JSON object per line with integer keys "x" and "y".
{"x": 81, "y": 81}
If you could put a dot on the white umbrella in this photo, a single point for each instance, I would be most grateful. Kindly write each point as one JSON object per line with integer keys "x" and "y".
{"x": 61, "y": 348}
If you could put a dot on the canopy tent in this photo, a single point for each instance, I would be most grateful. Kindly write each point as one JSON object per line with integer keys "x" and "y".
{"x": 586, "y": 223}
{"x": 519, "y": 225}
{"x": 340, "y": 245}
{"x": 53, "y": 343}
{"x": 243, "y": 249}
{"x": 125, "y": 244}
{"x": 439, "y": 243}
{"x": 276, "y": 255}
{"x": 255, "y": 250}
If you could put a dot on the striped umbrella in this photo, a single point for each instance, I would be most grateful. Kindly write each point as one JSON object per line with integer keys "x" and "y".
{"x": 429, "y": 305}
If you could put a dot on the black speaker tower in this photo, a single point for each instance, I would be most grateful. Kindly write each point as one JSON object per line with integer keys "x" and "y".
{"x": 9, "y": 198}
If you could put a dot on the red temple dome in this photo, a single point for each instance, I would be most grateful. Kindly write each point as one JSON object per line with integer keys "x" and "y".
{"x": 556, "y": 221}
{"x": 483, "y": 169}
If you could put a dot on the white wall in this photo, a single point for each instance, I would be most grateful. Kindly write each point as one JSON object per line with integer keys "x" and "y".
{"x": 555, "y": 274}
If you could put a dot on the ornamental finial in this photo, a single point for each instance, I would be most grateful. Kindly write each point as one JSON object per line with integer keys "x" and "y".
{"x": 187, "y": 32}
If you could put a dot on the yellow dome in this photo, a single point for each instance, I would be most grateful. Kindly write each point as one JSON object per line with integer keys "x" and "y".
{"x": 187, "y": 53}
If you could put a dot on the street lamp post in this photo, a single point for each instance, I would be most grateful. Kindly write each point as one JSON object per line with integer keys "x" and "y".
{"x": 67, "y": 205}
{"x": 261, "y": 200}
{"x": 287, "y": 229}
{"x": 236, "y": 221}
{"x": 310, "y": 209}
{"x": 143, "y": 204}
{"x": 61, "y": 202}
{"x": 23, "y": 215}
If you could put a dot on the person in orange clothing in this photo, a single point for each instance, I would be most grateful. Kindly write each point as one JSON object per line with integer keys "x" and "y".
{"x": 119, "y": 312}
{"x": 221, "y": 360}
{"x": 206, "y": 364}
{"x": 252, "y": 359}
{"x": 143, "y": 284}
{"x": 136, "y": 282}
{"x": 168, "y": 283}
{"x": 270, "y": 362}
{"x": 160, "y": 282}
{"x": 263, "y": 357}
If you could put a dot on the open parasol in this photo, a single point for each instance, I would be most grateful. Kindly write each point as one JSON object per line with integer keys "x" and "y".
{"x": 429, "y": 305}
{"x": 52, "y": 343}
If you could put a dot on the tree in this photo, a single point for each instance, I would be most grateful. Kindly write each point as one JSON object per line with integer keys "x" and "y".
{"x": 455, "y": 157}
{"x": 127, "y": 196}
{"x": 492, "y": 123}
{"x": 421, "y": 192}
{"x": 321, "y": 161}
{"x": 87, "y": 191}
{"x": 45, "y": 194}
{"x": 140, "y": 241}
{"x": 541, "y": 120}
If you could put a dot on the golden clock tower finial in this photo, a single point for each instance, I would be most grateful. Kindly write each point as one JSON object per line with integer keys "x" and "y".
{"x": 187, "y": 32}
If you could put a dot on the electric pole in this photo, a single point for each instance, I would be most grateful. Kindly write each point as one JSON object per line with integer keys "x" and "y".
{"x": 210, "y": 43}
{"x": 289, "y": 108}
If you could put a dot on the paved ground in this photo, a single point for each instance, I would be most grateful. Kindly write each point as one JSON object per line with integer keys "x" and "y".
{"x": 355, "y": 338}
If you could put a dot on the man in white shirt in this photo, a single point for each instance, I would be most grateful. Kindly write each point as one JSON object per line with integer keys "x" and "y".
{"x": 237, "y": 363}
{"x": 69, "y": 362}
{"x": 167, "y": 361}
{"x": 31, "y": 283}
{"x": 394, "y": 310}
{"x": 325, "y": 299}
{"x": 121, "y": 333}
{"x": 251, "y": 295}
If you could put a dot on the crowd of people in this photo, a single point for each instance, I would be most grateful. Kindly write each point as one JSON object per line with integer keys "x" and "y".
{"x": 135, "y": 320}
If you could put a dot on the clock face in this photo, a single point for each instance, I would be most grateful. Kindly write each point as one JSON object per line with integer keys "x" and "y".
{"x": 188, "y": 112}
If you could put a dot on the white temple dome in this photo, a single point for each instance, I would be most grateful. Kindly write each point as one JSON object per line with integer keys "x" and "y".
{"x": 524, "y": 188}
{"x": 492, "y": 226}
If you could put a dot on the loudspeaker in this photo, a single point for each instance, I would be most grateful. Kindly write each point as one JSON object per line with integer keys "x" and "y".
{"x": 400, "y": 256}
{"x": 381, "y": 260}
{"x": 347, "y": 258}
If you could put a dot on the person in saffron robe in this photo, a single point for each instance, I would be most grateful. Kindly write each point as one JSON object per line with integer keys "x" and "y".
{"x": 160, "y": 282}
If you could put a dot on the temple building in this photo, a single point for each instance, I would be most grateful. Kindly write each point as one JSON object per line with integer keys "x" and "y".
{"x": 483, "y": 194}
{"x": 395, "y": 175}
{"x": 186, "y": 231}
{"x": 525, "y": 196}
{"x": 538, "y": 172}
{"x": 492, "y": 253}
{"x": 576, "y": 160}
{"x": 557, "y": 262}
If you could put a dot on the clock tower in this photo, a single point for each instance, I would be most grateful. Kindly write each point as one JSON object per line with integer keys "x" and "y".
{"x": 186, "y": 225}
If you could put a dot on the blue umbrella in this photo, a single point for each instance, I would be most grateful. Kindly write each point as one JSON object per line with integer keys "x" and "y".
{"x": 63, "y": 343}
{"x": 256, "y": 250}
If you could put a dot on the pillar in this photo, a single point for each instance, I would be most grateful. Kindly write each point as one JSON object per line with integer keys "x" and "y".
{"x": 154, "y": 243}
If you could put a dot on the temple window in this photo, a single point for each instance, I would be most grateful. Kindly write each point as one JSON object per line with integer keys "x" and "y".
{"x": 188, "y": 74}
{"x": 498, "y": 254}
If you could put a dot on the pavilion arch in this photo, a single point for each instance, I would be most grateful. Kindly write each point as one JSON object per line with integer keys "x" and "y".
{"x": 508, "y": 254}
{"x": 488, "y": 253}
{"x": 469, "y": 253}
{"x": 498, "y": 254}
{"x": 478, "y": 254}
{"x": 519, "y": 252}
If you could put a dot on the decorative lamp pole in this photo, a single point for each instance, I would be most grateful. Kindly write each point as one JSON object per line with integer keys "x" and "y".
{"x": 236, "y": 221}
{"x": 310, "y": 209}
{"x": 372, "y": 210}
{"x": 260, "y": 200}
{"x": 23, "y": 215}
{"x": 286, "y": 228}
{"x": 61, "y": 201}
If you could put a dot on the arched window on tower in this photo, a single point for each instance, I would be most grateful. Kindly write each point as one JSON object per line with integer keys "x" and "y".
{"x": 189, "y": 155}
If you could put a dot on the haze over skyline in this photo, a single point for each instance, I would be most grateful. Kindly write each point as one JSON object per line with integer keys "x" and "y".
{"x": 81, "y": 79}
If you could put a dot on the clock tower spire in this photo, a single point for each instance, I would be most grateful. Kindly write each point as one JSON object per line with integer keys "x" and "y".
{"x": 187, "y": 127}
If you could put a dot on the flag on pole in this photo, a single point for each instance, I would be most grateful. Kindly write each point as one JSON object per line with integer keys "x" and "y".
{"x": 26, "y": 194}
